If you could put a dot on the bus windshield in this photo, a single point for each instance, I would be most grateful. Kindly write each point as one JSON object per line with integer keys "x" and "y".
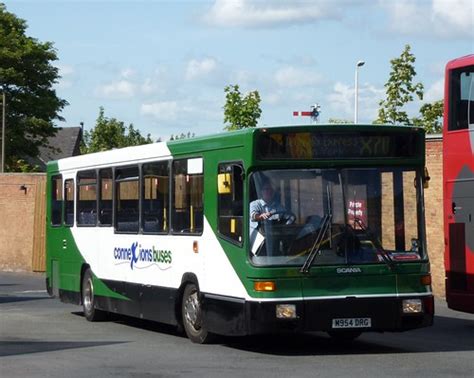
{"x": 343, "y": 216}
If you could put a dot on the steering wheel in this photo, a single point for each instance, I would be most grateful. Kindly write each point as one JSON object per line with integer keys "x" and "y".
{"x": 283, "y": 217}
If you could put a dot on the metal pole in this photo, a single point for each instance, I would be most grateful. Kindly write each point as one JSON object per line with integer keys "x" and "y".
{"x": 2, "y": 167}
{"x": 356, "y": 95}
{"x": 360, "y": 63}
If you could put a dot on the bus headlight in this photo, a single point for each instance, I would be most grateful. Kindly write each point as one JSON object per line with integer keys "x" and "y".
{"x": 286, "y": 311}
{"x": 412, "y": 306}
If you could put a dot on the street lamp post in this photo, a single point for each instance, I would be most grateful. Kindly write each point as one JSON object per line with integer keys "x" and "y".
{"x": 360, "y": 63}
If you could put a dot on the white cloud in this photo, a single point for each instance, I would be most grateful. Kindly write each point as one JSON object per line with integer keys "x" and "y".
{"x": 435, "y": 92}
{"x": 292, "y": 77}
{"x": 162, "y": 111}
{"x": 342, "y": 102}
{"x": 67, "y": 73}
{"x": 127, "y": 73}
{"x": 199, "y": 68}
{"x": 438, "y": 18}
{"x": 254, "y": 13}
{"x": 116, "y": 90}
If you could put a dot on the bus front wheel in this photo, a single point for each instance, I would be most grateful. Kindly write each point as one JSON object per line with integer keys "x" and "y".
{"x": 88, "y": 299}
{"x": 192, "y": 316}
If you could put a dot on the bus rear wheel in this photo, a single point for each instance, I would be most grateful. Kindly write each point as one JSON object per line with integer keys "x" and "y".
{"x": 192, "y": 316}
{"x": 88, "y": 299}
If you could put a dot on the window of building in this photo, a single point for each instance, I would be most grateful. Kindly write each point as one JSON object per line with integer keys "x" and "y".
{"x": 230, "y": 200}
{"x": 56, "y": 200}
{"x": 105, "y": 197}
{"x": 87, "y": 198}
{"x": 187, "y": 202}
{"x": 155, "y": 197}
{"x": 69, "y": 202}
{"x": 127, "y": 196}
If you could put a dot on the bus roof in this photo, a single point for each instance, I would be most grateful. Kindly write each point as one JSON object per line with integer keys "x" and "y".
{"x": 218, "y": 141}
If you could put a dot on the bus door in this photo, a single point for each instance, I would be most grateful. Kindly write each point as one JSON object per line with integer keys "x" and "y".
{"x": 461, "y": 235}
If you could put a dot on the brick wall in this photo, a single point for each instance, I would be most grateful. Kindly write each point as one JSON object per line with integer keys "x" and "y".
{"x": 434, "y": 212}
{"x": 18, "y": 223}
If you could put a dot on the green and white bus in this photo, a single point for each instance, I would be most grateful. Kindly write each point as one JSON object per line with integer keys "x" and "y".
{"x": 163, "y": 232}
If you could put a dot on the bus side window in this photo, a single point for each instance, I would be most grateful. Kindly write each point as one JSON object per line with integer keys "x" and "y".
{"x": 127, "y": 196}
{"x": 155, "y": 197}
{"x": 230, "y": 202}
{"x": 86, "y": 198}
{"x": 56, "y": 200}
{"x": 188, "y": 190}
{"x": 69, "y": 202}
{"x": 105, "y": 197}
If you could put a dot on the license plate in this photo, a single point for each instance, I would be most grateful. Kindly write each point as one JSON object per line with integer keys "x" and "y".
{"x": 352, "y": 323}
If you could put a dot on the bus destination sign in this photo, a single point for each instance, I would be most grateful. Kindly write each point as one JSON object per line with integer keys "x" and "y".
{"x": 333, "y": 145}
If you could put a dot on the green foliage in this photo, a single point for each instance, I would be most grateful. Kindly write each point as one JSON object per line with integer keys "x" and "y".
{"x": 109, "y": 133}
{"x": 339, "y": 121}
{"x": 431, "y": 118}
{"x": 20, "y": 165}
{"x": 241, "y": 111}
{"x": 27, "y": 78}
{"x": 400, "y": 90}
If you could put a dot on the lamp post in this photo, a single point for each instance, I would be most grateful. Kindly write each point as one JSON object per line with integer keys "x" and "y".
{"x": 360, "y": 63}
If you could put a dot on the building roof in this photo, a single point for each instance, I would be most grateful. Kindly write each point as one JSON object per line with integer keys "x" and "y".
{"x": 65, "y": 143}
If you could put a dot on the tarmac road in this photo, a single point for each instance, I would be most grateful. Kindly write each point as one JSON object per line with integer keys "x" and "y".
{"x": 41, "y": 337}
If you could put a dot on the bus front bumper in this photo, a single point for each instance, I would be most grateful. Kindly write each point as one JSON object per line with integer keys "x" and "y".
{"x": 239, "y": 317}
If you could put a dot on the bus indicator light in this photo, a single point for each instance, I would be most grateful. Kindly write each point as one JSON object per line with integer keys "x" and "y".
{"x": 195, "y": 246}
{"x": 426, "y": 280}
{"x": 264, "y": 286}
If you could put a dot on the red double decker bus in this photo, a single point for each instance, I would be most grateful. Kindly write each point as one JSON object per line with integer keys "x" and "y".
{"x": 458, "y": 171}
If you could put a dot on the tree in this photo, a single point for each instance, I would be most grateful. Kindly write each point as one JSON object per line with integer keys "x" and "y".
{"x": 400, "y": 90}
{"x": 339, "y": 121}
{"x": 182, "y": 136}
{"x": 241, "y": 112}
{"x": 109, "y": 133}
{"x": 27, "y": 77}
{"x": 431, "y": 117}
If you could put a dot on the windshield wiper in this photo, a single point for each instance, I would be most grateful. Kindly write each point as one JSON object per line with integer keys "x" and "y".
{"x": 385, "y": 255}
{"x": 325, "y": 224}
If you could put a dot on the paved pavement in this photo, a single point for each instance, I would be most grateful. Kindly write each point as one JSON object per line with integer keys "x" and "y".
{"x": 41, "y": 337}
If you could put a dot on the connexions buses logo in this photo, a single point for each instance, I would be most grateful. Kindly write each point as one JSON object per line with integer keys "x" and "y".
{"x": 140, "y": 257}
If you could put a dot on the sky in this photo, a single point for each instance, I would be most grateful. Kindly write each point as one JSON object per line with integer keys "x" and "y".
{"x": 163, "y": 65}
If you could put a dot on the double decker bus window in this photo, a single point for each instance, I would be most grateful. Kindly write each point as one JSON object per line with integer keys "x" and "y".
{"x": 461, "y": 98}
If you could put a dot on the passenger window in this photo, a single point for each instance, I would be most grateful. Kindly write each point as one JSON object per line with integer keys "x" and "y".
{"x": 230, "y": 200}
{"x": 127, "y": 199}
{"x": 188, "y": 186}
{"x": 461, "y": 107}
{"x": 87, "y": 198}
{"x": 56, "y": 200}
{"x": 105, "y": 197}
{"x": 155, "y": 197}
{"x": 69, "y": 202}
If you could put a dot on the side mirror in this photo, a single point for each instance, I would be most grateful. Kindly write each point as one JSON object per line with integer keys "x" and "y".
{"x": 224, "y": 183}
{"x": 426, "y": 179}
